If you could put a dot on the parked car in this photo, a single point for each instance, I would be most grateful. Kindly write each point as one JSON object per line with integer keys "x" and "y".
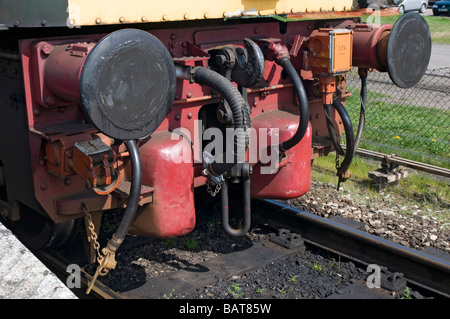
{"x": 413, "y": 5}
{"x": 441, "y": 8}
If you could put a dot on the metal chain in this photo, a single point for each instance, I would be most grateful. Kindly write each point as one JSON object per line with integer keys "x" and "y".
{"x": 93, "y": 234}
{"x": 216, "y": 190}
{"x": 105, "y": 261}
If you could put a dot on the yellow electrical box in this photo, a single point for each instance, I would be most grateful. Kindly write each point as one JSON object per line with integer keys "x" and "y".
{"x": 330, "y": 51}
{"x": 341, "y": 43}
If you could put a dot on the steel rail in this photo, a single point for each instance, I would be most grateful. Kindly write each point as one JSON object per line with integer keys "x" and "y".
{"x": 403, "y": 162}
{"x": 423, "y": 270}
{"x": 419, "y": 268}
{"x": 58, "y": 265}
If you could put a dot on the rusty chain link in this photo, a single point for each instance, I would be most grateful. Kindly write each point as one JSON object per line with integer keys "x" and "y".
{"x": 215, "y": 191}
{"x": 93, "y": 234}
{"x": 106, "y": 261}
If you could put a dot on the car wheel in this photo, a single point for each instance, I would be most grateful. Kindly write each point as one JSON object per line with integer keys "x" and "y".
{"x": 435, "y": 13}
{"x": 401, "y": 9}
{"x": 423, "y": 8}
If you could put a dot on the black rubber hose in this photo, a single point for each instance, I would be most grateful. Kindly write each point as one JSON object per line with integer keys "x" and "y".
{"x": 331, "y": 130}
{"x": 362, "y": 112}
{"x": 361, "y": 124}
{"x": 239, "y": 109}
{"x": 133, "y": 199}
{"x": 349, "y": 137}
{"x": 303, "y": 101}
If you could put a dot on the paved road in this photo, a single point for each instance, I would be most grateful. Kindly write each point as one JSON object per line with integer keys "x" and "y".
{"x": 428, "y": 12}
{"x": 440, "y": 56}
{"x": 440, "y": 53}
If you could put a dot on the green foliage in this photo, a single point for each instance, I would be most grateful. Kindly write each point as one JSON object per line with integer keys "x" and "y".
{"x": 317, "y": 266}
{"x": 170, "y": 242}
{"x": 406, "y": 294}
{"x": 235, "y": 290}
{"x": 191, "y": 244}
{"x": 418, "y": 129}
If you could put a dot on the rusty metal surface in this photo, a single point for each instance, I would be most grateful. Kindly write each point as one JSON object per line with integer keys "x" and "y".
{"x": 172, "y": 212}
{"x": 328, "y": 15}
{"x": 293, "y": 171}
{"x": 15, "y": 160}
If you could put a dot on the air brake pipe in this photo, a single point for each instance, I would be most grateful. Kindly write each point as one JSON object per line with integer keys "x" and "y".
{"x": 240, "y": 112}
{"x": 362, "y": 113}
{"x": 133, "y": 199}
{"x": 280, "y": 54}
{"x": 285, "y": 62}
{"x": 241, "y": 116}
{"x": 350, "y": 143}
{"x": 362, "y": 118}
{"x": 331, "y": 130}
{"x": 108, "y": 261}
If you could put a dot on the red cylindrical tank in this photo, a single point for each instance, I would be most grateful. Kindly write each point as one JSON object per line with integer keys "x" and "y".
{"x": 366, "y": 42}
{"x": 292, "y": 175}
{"x": 172, "y": 212}
{"x": 62, "y": 70}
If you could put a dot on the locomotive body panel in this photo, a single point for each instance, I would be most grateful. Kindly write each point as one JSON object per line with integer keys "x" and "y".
{"x": 75, "y": 13}
{"x": 116, "y": 78}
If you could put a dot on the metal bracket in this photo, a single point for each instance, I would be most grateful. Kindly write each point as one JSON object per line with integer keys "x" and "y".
{"x": 387, "y": 166}
{"x": 93, "y": 161}
{"x": 389, "y": 173}
{"x": 287, "y": 239}
{"x": 244, "y": 66}
{"x": 246, "y": 204}
{"x": 392, "y": 281}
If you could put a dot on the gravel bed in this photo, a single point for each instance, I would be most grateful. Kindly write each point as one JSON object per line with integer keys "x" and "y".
{"x": 386, "y": 216}
{"x": 312, "y": 274}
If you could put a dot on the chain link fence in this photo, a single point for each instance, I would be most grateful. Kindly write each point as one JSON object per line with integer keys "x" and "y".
{"x": 413, "y": 123}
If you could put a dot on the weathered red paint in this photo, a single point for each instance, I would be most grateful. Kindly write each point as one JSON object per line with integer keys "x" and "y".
{"x": 365, "y": 41}
{"x": 172, "y": 212}
{"x": 53, "y": 112}
{"x": 293, "y": 171}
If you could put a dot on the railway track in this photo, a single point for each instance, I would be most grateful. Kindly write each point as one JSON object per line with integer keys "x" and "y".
{"x": 400, "y": 266}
